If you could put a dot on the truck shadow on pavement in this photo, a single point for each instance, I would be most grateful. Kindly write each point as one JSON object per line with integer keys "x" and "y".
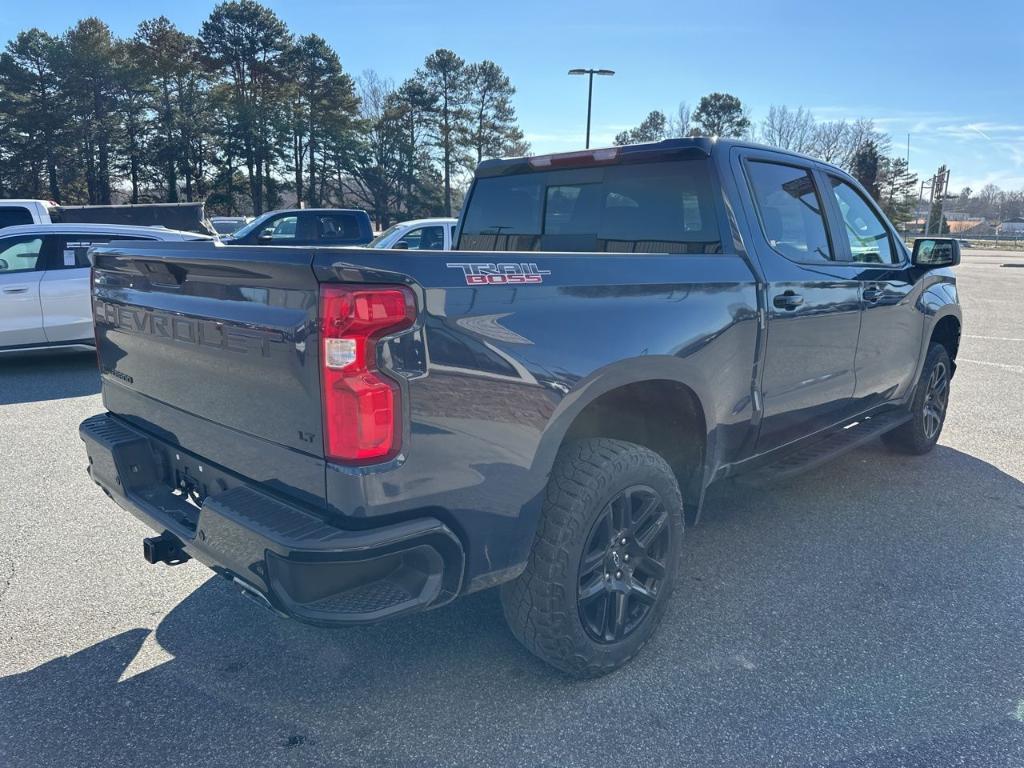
{"x": 868, "y": 613}
{"x": 32, "y": 377}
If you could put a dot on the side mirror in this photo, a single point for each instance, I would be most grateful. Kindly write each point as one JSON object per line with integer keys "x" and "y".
{"x": 3, "y": 265}
{"x": 401, "y": 245}
{"x": 932, "y": 252}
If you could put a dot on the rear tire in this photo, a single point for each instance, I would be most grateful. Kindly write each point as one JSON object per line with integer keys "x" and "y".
{"x": 931, "y": 399}
{"x": 604, "y": 559}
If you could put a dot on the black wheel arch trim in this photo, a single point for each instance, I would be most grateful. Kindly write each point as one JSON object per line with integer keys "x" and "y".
{"x": 636, "y": 370}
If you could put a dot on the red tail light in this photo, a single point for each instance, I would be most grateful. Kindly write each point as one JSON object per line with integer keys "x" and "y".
{"x": 362, "y": 408}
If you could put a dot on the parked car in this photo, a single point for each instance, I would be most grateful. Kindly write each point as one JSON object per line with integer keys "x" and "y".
{"x": 44, "y": 281}
{"x": 965, "y": 244}
{"x": 617, "y": 329}
{"x": 306, "y": 226}
{"x": 226, "y": 225}
{"x": 18, "y": 212}
{"x": 417, "y": 235}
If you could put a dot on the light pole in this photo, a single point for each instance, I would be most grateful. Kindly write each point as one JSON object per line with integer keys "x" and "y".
{"x": 590, "y": 90}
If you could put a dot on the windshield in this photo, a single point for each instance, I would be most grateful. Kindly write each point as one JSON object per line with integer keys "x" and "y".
{"x": 376, "y": 242}
{"x": 663, "y": 207}
{"x": 250, "y": 227}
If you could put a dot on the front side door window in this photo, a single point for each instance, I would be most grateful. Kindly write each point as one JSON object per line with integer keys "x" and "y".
{"x": 423, "y": 239}
{"x": 869, "y": 238}
{"x": 282, "y": 230}
{"x": 21, "y": 254}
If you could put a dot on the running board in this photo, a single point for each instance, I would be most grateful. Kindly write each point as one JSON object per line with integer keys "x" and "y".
{"x": 825, "y": 448}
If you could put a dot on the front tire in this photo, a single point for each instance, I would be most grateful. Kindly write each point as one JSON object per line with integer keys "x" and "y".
{"x": 604, "y": 560}
{"x": 931, "y": 399}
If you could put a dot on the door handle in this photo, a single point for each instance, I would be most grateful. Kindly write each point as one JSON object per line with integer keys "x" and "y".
{"x": 788, "y": 300}
{"x": 19, "y": 289}
{"x": 872, "y": 294}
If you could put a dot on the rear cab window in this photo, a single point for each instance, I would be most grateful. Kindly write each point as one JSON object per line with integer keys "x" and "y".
{"x": 654, "y": 207}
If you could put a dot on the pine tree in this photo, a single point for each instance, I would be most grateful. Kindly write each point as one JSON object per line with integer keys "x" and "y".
{"x": 654, "y": 127}
{"x": 246, "y": 44}
{"x": 445, "y": 79}
{"x": 494, "y": 131}
{"x": 721, "y": 114}
{"x": 865, "y": 167}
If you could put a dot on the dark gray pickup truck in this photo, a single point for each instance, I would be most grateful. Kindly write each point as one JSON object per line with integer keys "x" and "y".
{"x": 355, "y": 434}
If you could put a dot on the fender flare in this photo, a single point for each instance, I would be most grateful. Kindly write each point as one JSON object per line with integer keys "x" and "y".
{"x": 614, "y": 376}
{"x": 936, "y": 304}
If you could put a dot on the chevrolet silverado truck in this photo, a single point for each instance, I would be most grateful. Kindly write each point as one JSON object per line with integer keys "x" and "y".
{"x": 349, "y": 435}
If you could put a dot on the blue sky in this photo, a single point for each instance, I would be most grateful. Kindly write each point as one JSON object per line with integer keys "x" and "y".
{"x": 950, "y": 74}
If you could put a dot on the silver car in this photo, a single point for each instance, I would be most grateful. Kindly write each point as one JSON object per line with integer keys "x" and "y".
{"x": 44, "y": 280}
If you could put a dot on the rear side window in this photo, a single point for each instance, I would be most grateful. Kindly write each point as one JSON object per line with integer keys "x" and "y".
{"x": 72, "y": 251}
{"x": 789, "y": 207}
{"x": 665, "y": 207}
{"x": 12, "y": 215}
{"x": 336, "y": 227}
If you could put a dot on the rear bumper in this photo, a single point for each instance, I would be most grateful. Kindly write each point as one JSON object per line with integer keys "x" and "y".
{"x": 293, "y": 560}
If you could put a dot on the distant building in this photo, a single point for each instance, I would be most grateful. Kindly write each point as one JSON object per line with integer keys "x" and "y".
{"x": 974, "y": 225}
{"x": 960, "y": 225}
{"x": 1011, "y": 228}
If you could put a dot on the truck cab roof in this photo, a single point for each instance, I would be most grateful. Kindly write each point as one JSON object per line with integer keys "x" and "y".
{"x": 697, "y": 145}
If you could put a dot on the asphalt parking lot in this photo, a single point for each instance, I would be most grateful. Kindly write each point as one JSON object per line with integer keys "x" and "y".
{"x": 868, "y": 613}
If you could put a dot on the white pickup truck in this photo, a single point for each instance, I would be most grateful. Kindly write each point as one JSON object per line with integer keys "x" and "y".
{"x": 15, "y": 212}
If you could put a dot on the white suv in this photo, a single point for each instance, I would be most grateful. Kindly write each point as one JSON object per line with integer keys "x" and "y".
{"x": 44, "y": 281}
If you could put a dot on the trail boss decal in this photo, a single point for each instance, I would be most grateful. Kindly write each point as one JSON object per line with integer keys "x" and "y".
{"x": 500, "y": 274}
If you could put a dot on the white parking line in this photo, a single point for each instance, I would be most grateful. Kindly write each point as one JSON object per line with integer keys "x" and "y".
{"x": 991, "y": 338}
{"x": 1004, "y": 366}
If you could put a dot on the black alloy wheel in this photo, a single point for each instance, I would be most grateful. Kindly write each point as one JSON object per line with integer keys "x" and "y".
{"x": 936, "y": 399}
{"x": 623, "y": 564}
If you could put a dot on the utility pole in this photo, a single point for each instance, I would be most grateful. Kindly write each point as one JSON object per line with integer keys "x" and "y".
{"x": 943, "y": 188}
{"x": 931, "y": 197}
{"x": 937, "y": 188}
{"x": 590, "y": 90}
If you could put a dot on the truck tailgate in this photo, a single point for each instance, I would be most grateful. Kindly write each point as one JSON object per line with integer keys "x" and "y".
{"x": 224, "y": 335}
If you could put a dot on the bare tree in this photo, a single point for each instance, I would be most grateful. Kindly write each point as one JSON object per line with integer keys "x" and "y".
{"x": 377, "y": 169}
{"x": 830, "y": 140}
{"x": 681, "y": 124}
{"x": 789, "y": 129}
